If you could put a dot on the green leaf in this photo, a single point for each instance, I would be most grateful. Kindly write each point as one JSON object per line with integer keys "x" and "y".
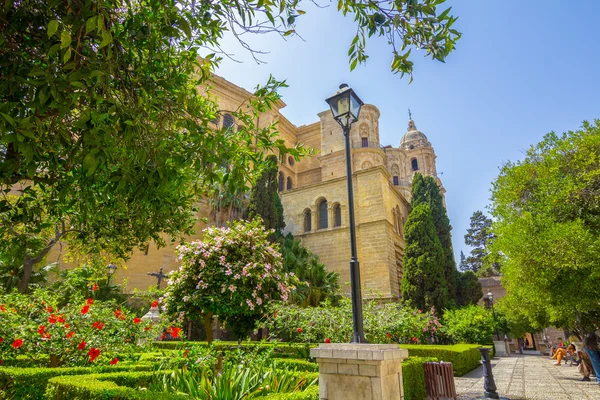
{"x": 90, "y": 163}
{"x": 65, "y": 39}
{"x": 90, "y": 24}
{"x": 353, "y": 64}
{"x": 288, "y": 33}
{"x": 67, "y": 55}
{"x": 106, "y": 39}
{"x": 52, "y": 27}
{"x": 9, "y": 119}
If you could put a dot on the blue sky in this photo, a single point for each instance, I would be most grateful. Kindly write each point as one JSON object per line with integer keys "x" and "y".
{"x": 521, "y": 70}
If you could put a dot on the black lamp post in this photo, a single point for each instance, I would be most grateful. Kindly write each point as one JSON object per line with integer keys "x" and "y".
{"x": 345, "y": 107}
{"x": 491, "y": 303}
{"x": 110, "y": 270}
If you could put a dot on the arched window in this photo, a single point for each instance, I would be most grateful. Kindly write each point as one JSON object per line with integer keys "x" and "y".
{"x": 307, "y": 220}
{"x": 365, "y": 142}
{"x": 289, "y": 183}
{"x": 323, "y": 223}
{"x": 291, "y": 161}
{"x": 227, "y": 121}
{"x": 281, "y": 181}
{"x": 396, "y": 181}
{"x": 415, "y": 164}
{"x": 337, "y": 214}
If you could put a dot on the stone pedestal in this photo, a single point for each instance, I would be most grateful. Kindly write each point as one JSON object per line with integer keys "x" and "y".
{"x": 360, "y": 371}
{"x": 501, "y": 348}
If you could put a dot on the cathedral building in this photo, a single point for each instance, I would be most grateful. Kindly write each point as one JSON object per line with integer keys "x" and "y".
{"x": 314, "y": 196}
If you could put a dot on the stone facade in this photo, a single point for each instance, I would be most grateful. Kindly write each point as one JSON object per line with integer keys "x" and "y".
{"x": 314, "y": 196}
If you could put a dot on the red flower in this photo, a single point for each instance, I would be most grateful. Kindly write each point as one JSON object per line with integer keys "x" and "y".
{"x": 70, "y": 334}
{"x": 61, "y": 319}
{"x": 1, "y": 340}
{"x": 414, "y": 339}
{"x": 274, "y": 315}
{"x": 327, "y": 340}
{"x": 137, "y": 320}
{"x": 175, "y": 332}
{"x": 299, "y": 330}
{"x": 67, "y": 326}
{"x": 49, "y": 309}
{"x": 0, "y": 362}
{"x": 162, "y": 336}
{"x": 90, "y": 301}
{"x": 94, "y": 287}
{"x": 389, "y": 335}
{"x": 52, "y": 319}
{"x": 155, "y": 303}
{"x": 98, "y": 325}
{"x": 186, "y": 352}
{"x": 114, "y": 361}
{"x": 41, "y": 330}
{"x": 93, "y": 353}
{"x": 17, "y": 343}
{"x": 81, "y": 345}
{"x": 118, "y": 313}
{"x": 85, "y": 309}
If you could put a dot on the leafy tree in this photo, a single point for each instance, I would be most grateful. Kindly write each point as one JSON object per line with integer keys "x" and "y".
{"x": 316, "y": 284}
{"x": 423, "y": 282}
{"x": 425, "y": 190}
{"x": 480, "y": 236}
{"x": 105, "y": 111}
{"x": 264, "y": 199}
{"x": 233, "y": 272}
{"x": 548, "y": 228}
{"x": 468, "y": 290}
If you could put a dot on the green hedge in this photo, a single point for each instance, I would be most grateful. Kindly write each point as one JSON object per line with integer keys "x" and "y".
{"x": 464, "y": 357}
{"x": 116, "y": 385}
{"x": 30, "y": 383}
{"x": 413, "y": 377}
{"x": 311, "y": 393}
{"x": 299, "y": 365}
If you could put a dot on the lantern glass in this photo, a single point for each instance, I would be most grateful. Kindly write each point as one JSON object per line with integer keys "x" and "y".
{"x": 345, "y": 106}
{"x": 490, "y": 296}
{"x": 110, "y": 269}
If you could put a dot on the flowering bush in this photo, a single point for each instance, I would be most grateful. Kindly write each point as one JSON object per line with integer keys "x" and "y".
{"x": 233, "y": 272}
{"x": 383, "y": 323}
{"x": 83, "y": 331}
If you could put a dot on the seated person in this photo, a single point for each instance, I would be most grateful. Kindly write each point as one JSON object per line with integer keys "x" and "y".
{"x": 585, "y": 366}
{"x": 561, "y": 353}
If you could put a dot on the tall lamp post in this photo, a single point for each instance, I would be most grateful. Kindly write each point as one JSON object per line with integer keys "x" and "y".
{"x": 110, "y": 270}
{"x": 345, "y": 107}
{"x": 491, "y": 303}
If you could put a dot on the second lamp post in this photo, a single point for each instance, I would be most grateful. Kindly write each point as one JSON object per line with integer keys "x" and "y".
{"x": 345, "y": 106}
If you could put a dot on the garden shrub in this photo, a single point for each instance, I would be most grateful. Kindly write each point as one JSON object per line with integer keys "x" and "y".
{"x": 311, "y": 393}
{"x": 117, "y": 385}
{"x": 30, "y": 383}
{"x": 472, "y": 324}
{"x": 464, "y": 357}
{"x": 299, "y": 365}
{"x": 413, "y": 377}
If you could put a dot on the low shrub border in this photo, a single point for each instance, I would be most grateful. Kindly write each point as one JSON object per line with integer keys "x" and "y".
{"x": 298, "y": 365}
{"x": 311, "y": 393}
{"x": 464, "y": 357}
{"x": 413, "y": 377}
{"x": 116, "y": 385}
{"x": 30, "y": 383}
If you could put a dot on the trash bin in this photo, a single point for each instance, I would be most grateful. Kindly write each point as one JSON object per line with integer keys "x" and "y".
{"x": 439, "y": 380}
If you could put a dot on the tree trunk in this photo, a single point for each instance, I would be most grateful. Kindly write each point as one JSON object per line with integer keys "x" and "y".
{"x": 189, "y": 330}
{"x": 27, "y": 269}
{"x": 53, "y": 361}
{"x": 208, "y": 318}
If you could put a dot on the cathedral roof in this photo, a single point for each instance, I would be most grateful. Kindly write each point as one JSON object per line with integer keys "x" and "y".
{"x": 414, "y": 137}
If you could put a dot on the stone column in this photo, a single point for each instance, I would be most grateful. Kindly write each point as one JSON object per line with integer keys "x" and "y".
{"x": 360, "y": 371}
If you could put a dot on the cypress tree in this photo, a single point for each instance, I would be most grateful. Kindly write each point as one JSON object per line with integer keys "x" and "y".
{"x": 264, "y": 199}
{"x": 425, "y": 190}
{"x": 423, "y": 281}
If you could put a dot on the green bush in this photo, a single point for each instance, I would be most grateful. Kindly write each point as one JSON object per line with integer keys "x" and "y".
{"x": 464, "y": 357}
{"x": 472, "y": 324}
{"x": 311, "y": 393}
{"x": 299, "y": 365}
{"x": 413, "y": 377}
{"x": 280, "y": 349}
{"x": 117, "y": 385}
{"x": 30, "y": 383}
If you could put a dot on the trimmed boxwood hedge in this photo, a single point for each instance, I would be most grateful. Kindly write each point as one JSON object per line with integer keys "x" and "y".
{"x": 464, "y": 357}
{"x": 30, "y": 383}
{"x": 300, "y": 350}
{"x": 312, "y": 393}
{"x": 299, "y": 365}
{"x": 413, "y": 377}
{"x": 116, "y": 385}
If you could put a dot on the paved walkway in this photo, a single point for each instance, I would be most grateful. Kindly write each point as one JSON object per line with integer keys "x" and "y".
{"x": 521, "y": 377}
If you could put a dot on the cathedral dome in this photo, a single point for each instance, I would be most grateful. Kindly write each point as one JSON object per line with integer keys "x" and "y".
{"x": 413, "y": 137}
